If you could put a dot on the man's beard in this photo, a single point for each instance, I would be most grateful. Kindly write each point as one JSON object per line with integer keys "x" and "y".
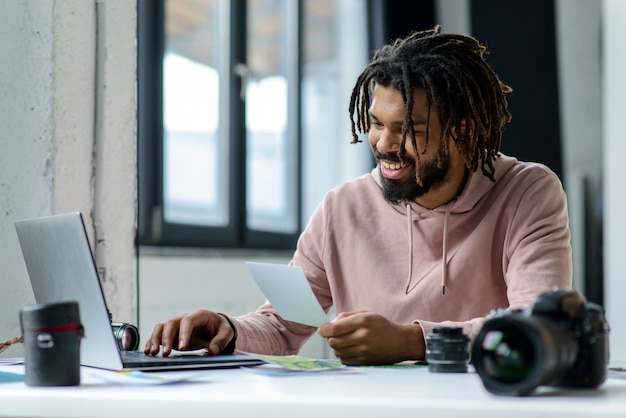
{"x": 433, "y": 174}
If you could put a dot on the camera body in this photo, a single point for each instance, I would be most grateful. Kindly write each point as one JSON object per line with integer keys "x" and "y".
{"x": 561, "y": 340}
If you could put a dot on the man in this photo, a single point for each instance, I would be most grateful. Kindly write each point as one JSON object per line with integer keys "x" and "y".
{"x": 442, "y": 231}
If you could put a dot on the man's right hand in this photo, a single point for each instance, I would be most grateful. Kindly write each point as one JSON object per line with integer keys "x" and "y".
{"x": 192, "y": 331}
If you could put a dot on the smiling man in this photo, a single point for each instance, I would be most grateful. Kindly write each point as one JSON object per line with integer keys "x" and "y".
{"x": 442, "y": 231}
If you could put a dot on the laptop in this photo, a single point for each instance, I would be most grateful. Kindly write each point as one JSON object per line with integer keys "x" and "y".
{"x": 61, "y": 268}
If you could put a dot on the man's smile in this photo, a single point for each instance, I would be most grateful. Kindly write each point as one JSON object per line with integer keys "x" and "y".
{"x": 393, "y": 169}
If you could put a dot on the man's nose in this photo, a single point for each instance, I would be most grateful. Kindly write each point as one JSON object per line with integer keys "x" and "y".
{"x": 387, "y": 142}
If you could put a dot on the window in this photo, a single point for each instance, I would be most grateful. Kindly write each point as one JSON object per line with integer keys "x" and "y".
{"x": 243, "y": 116}
{"x": 193, "y": 171}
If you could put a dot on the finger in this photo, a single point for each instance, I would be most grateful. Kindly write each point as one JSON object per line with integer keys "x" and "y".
{"x": 153, "y": 345}
{"x": 345, "y": 323}
{"x": 357, "y": 338}
{"x": 333, "y": 329}
{"x": 349, "y": 355}
{"x": 196, "y": 329}
{"x": 325, "y": 331}
{"x": 169, "y": 336}
{"x": 353, "y": 360}
{"x": 185, "y": 331}
{"x": 339, "y": 343}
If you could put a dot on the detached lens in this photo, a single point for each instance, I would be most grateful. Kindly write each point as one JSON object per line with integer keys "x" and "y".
{"x": 447, "y": 350}
{"x": 126, "y": 336}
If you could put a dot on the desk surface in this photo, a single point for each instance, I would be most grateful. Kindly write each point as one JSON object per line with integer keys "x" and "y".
{"x": 362, "y": 392}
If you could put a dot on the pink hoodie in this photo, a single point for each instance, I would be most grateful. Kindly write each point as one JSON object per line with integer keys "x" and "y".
{"x": 497, "y": 245}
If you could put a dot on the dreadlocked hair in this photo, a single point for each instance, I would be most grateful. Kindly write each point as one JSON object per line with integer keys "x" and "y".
{"x": 466, "y": 94}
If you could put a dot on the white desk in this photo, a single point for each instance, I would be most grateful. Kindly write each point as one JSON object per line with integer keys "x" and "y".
{"x": 370, "y": 392}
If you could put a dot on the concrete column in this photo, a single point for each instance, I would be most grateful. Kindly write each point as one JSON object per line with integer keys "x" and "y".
{"x": 52, "y": 157}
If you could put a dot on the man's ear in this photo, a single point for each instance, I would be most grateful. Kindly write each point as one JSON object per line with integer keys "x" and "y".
{"x": 466, "y": 130}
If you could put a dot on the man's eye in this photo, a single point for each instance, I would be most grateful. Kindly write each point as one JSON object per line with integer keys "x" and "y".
{"x": 419, "y": 130}
{"x": 376, "y": 124}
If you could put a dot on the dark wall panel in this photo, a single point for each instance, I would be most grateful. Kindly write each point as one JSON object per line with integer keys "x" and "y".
{"x": 392, "y": 19}
{"x": 521, "y": 38}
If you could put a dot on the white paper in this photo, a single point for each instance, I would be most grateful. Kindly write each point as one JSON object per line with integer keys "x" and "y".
{"x": 289, "y": 292}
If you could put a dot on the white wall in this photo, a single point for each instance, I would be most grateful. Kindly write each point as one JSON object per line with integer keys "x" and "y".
{"x": 49, "y": 149}
{"x": 614, "y": 90}
{"x": 454, "y": 16}
{"x": 579, "y": 34}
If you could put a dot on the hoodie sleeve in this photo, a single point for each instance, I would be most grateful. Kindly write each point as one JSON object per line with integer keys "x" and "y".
{"x": 265, "y": 332}
{"x": 537, "y": 254}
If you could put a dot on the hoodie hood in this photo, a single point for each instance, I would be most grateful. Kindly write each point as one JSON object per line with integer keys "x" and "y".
{"x": 475, "y": 188}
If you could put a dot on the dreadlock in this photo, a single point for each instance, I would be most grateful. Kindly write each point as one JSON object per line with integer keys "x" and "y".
{"x": 459, "y": 84}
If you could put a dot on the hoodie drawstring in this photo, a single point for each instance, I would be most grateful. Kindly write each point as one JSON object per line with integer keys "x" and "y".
{"x": 444, "y": 253}
{"x": 444, "y": 250}
{"x": 409, "y": 220}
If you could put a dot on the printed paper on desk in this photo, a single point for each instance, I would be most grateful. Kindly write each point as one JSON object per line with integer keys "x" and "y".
{"x": 289, "y": 292}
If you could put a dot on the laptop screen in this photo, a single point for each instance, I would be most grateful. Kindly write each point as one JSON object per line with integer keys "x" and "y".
{"x": 61, "y": 268}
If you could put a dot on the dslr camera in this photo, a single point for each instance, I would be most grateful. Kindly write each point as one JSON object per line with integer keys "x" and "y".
{"x": 561, "y": 340}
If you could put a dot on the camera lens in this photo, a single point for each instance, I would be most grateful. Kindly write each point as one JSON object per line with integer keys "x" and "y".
{"x": 508, "y": 357}
{"x": 126, "y": 336}
{"x": 513, "y": 354}
{"x": 447, "y": 350}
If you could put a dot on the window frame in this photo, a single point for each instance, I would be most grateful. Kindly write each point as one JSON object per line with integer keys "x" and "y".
{"x": 153, "y": 229}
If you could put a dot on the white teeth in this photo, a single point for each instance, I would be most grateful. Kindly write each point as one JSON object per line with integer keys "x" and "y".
{"x": 392, "y": 166}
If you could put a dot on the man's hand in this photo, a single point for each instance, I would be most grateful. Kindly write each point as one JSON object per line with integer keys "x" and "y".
{"x": 192, "y": 331}
{"x": 360, "y": 338}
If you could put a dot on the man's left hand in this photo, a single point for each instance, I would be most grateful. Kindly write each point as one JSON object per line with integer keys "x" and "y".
{"x": 366, "y": 338}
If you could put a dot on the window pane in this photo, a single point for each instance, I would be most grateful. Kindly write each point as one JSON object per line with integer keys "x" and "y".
{"x": 194, "y": 187}
{"x": 335, "y": 50}
{"x": 271, "y": 156}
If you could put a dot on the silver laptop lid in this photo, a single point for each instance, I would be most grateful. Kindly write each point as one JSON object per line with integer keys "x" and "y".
{"x": 60, "y": 265}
